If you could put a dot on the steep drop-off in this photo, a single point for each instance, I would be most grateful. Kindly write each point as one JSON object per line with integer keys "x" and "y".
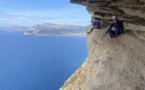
{"x": 78, "y": 80}
{"x": 118, "y": 63}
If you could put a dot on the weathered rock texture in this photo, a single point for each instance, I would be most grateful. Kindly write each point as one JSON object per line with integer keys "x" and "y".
{"x": 118, "y": 63}
{"x": 78, "y": 80}
{"x": 115, "y": 64}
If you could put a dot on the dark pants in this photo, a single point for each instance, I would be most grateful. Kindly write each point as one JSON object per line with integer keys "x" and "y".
{"x": 92, "y": 29}
{"x": 113, "y": 33}
{"x": 95, "y": 27}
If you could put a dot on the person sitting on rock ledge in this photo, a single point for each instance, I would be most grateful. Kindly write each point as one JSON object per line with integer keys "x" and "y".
{"x": 95, "y": 25}
{"x": 118, "y": 25}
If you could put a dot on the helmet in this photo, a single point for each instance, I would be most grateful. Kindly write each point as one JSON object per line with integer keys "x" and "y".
{"x": 114, "y": 17}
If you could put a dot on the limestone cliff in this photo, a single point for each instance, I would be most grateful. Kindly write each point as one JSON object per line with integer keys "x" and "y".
{"x": 118, "y": 63}
{"x": 115, "y": 64}
{"x": 78, "y": 80}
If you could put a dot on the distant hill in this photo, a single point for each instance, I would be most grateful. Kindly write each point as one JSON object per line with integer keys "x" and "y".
{"x": 15, "y": 28}
{"x": 49, "y": 29}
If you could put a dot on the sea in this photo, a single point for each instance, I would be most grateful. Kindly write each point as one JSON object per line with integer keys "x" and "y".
{"x": 38, "y": 62}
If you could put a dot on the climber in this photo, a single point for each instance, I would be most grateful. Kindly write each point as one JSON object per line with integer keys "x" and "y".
{"x": 95, "y": 25}
{"x": 118, "y": 25}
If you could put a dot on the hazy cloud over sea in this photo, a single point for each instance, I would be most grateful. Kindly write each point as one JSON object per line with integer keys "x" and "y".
{"x": 14, "y": 12}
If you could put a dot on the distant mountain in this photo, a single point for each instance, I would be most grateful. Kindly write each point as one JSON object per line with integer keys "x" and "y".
{"x": 49, "y": 29}
{"x": 16, "y": 28}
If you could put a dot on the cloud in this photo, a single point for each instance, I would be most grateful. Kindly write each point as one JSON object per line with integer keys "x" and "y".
{"x": 72, "y": 14}
{"x": 8, "y": 19}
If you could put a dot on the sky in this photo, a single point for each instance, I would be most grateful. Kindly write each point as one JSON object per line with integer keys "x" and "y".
{"x": 33, "y": 12}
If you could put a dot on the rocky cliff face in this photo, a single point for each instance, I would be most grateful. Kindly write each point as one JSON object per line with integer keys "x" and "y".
{"x": 115, "y": 64}
{"x": 118, "y": 63}
{"x": 78, "y": 80}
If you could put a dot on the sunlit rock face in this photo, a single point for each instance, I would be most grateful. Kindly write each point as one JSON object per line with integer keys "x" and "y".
{"x": 118, "y": 63}
{"x": 131, "y": 10}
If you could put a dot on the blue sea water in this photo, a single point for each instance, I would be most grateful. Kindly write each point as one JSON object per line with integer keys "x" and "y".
{"x": 38, "y": 63}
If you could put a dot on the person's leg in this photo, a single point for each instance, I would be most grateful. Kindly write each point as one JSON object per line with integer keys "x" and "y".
{"x": 99, "y": 25}
{"x": 111, "y": 33}
{"x": 91, "y": 30}
{"x": 96, "y": 27}
{"x": 118, "y": 32}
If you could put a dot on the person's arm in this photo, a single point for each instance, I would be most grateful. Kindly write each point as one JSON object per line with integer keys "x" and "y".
{"x": 111, "y": 26}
